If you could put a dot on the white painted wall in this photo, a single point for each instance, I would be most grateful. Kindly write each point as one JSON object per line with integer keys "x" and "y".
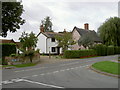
{"x": 51, "y": 44}
{"x": 41, "y": 43}
{"x": 45, "y": 44}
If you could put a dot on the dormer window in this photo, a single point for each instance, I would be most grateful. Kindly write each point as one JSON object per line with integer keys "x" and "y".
{"x": 52, "y": 39}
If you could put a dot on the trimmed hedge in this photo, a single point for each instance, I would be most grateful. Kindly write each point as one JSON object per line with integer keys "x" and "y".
{"x": 116, "y": 50}
{"x": 103, "y": 50}
{"x": 79, "y": 53}
{"x": 7, "y": 49}
{"x": 110, "y": 50}
{"x": 100, "y": 49}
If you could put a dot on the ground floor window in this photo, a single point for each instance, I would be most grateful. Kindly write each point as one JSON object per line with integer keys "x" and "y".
{"x": 53, "y": 49}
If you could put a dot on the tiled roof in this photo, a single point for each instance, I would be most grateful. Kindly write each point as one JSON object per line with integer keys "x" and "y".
{"x": 7, "y": 41}
{"x": 50, "y": 34}
{"x": 93, "y": 34}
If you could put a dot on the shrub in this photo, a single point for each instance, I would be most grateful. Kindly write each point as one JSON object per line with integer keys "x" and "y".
{"x": 79, "y": 53}
{"x": 12, "y": 55}
{"x": 29, "y": 54}
{"x": 37, "y": 51}
{"x": 100, "y": 49}
{"x": 110, "y": 50}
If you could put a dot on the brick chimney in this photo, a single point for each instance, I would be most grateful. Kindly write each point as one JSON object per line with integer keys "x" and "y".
{"x": 86, "y": 26}
{"x": 41, "y": 28}
{"x": 64, "y": 31}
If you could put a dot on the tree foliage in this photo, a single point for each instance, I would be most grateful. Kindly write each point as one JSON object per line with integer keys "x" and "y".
{"x": 28, "y": 41}
{"x": 109, "y": 31}
{"x": 47, "y": 24}
{"x": 86, "y": 40}
{"x": 65, "y": 40}
{"x": 11, "y": 17}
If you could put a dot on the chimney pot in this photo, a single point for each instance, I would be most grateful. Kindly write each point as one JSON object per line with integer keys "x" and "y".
{"x": 64, "y": 31}
{"x": 86, "y": 26}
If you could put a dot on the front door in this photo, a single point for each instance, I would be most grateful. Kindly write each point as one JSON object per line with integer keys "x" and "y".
{"x": 58, "y": 50}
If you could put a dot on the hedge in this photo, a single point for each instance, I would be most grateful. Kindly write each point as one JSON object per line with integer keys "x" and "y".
{"x": 7, "y": 49}
{"x": 79, "y": 53}
{"x": 100, "y": 49}
{"x": 116, "y": 50}
{"x": 110, "y": 50}
{"x": 103, "y": 50}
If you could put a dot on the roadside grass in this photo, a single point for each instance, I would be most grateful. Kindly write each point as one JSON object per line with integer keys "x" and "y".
{"x": 107, "y": 66}
{"x": 21, "y": 65}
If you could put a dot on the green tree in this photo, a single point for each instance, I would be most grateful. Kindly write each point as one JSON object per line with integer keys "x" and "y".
{"x": 86, "y": 40}
{"x": 47, "y": 24}
{"x": 65, "y": 40}
{"x": 109, "y": 31}
{"x": 11, "y": 17}
{"x": 28, "y": 42}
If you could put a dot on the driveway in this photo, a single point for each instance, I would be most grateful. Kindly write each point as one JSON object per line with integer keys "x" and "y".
{"x": 72, "y": 73}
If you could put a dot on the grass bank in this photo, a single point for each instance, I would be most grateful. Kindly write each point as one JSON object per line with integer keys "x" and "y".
{"x": 108, "y": 66}
{"x": 21, "y": 65}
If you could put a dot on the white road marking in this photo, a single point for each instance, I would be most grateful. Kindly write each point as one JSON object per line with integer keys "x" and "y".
{"x": 69, "y": 64}
{"x": 48, "y": 73}
{"x": 6, "y": 82}
{"x": 43, "y": 84}
{"x": 30, "y": 69}
{"x": 18, "y": 79}
{"x": 25, "y": 77}
{"x": 34, "y": 75}
{"x": 71, "y": 68}
{"x": 68, "y": 69}
{"x": 15, "y": 79}
{"x": 55, "y": 71}
{"x": 42, "y": 74}
{"x": 62, "y": 70}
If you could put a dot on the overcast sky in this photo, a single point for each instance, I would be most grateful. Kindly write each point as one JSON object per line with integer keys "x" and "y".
{"x": 65, "y": 15}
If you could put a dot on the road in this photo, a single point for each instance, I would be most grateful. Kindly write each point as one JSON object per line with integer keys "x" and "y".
{"x": 65, "y": 74}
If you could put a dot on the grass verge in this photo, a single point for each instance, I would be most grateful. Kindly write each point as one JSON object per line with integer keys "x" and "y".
{"x": 21, "y": 65}
{"x": 107, "y": 66}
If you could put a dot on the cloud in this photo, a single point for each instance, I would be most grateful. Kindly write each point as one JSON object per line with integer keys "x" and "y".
{"x": 65, "y": 14}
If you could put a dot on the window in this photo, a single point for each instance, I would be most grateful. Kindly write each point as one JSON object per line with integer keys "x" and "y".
{"x": 53, "y": 39}
{"x": 53, "y": 49}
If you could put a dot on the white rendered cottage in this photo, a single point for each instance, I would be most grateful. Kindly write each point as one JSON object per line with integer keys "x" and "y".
{"x": 47, "y": 42}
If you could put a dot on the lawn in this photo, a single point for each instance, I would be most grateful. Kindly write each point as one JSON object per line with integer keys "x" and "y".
{"x": 107, "y": 66}
{"x": 21, "y": 65}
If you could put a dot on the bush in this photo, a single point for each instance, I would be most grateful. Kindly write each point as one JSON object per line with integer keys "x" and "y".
{"x": 37, "y": 51}
{"x": 110, "y": 50}
{"x": 29, "y": 54}
{"x": 12, "y": 55}
{"x": 100, "y": 49}
{"x": 79, "y": 53}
